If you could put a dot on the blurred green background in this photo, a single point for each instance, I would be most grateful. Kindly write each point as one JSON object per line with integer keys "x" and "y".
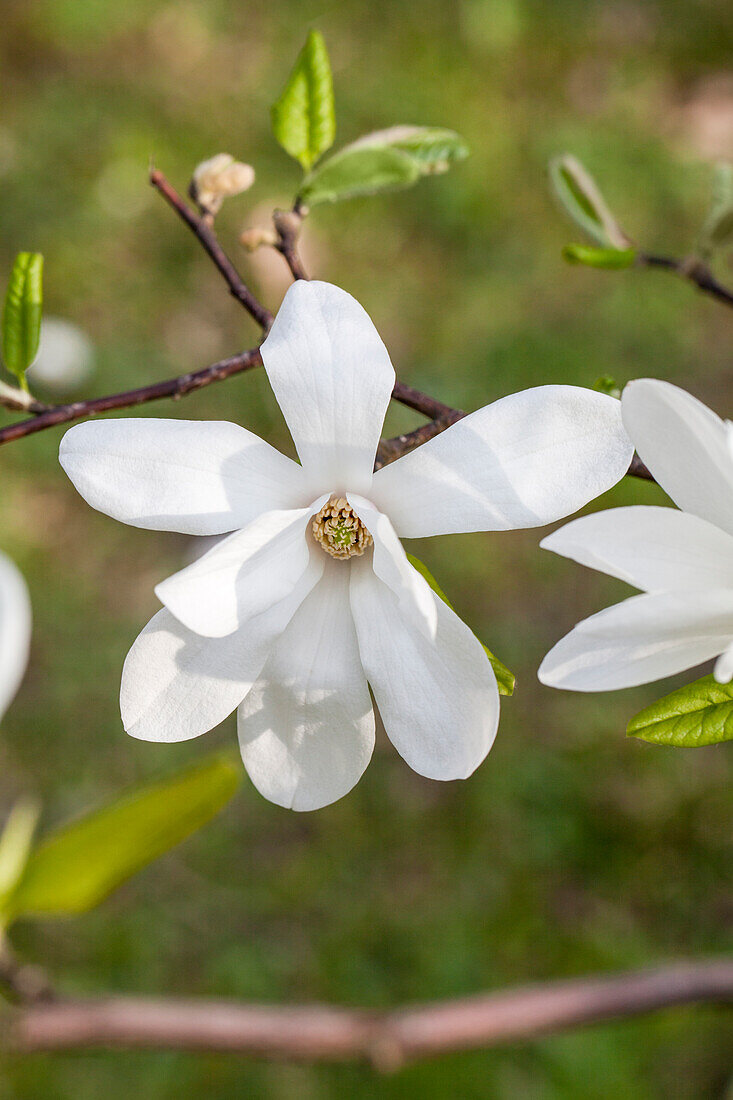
{"x": 572, "y": 849}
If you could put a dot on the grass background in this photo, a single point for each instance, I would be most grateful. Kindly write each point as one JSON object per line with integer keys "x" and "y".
{"x": 571, "y": 849}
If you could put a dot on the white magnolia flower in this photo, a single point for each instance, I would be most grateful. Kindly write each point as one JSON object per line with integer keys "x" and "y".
{"x": 15, "y": 630}
{"x": 681, "y": 560}
{"x": 312, "y": 597}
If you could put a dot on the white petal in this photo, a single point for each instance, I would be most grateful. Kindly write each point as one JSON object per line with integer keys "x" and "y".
{"x": 177, "y": 684}
{"x": 641, "y": 639}
{"x": 242, "y": 575}
{"x": 685, "y": 445}
{"x": 306, "y": 729}
{"x": 15, "y": 630}
{"x": 390, "y": 564}
{"x": 332, "y": 377}
{"x": 528, "y": 459}
{"x": 197, "y": 477}
{"x": 724, "y": 666}
{"x": 651, "y": 548}
{"x": 438, "y": 699}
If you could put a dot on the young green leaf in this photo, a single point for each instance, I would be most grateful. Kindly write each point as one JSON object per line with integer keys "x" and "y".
{"x": 21, "y": 328}
{"x": 350, "y": 173}
{"x": 303, "y": 119}
{"x": 607, "y": 384}
{"x": 504, "y": 678}
{"x": 78, "y": 865}
{"x": 433, "y": 147}
{"x": 700, "y": 713}
{"x": 578, "y": 193}
{"x": 15, "y": 845}
{"x": 611, "y": 259}
{"x": 383, "y": 161}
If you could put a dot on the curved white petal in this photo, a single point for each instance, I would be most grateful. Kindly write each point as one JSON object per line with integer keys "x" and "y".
{"x": 651, "y": 548}
{"x": 332, "y": 377}
{"x": 15, "y": 630}
{"x": 197, "y": 477}
{"x": 685, "y": 445}
{"x": 723, "y": 671}
{"x": 438, "y": 699}
{"x": 242, "y": 575}
{"x": 528, "y": 459}
{"x": 306, "y": 729}
{"x": 177, "y": 684}
{"x": 641, "y": 639}
{"x": 390, "y": 564}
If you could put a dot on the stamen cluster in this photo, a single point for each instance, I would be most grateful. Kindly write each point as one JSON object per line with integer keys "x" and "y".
{"x": 339, "y": 530}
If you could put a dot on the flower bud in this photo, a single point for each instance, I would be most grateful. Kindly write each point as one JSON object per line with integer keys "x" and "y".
{"x": 256, "y": 237}
{"x": 216, "y": 179}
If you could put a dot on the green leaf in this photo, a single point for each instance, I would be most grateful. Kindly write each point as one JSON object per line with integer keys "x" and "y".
{"x": 15, "y": 845}
{"x": 700, "y": 713}
{"x": 434, "y": 148}
{"x": 382, "y": 161}
{"x": 78, "y": 865}
{"x": 611, "y": 259}
{"x": 350, "y": 173}
{"x": 717, "y": 231}
{"x": 303, "y": 119}
{"x": 607, "y": 384}
{"x": 504, "y": 678}
{"x": 581, "y": 198}
{"x": 22, "y": 313}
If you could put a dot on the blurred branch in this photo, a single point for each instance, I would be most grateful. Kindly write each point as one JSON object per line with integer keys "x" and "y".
{"x": 387, "y": 1039}
{"x": 693, "y": 270}
{"x": 201, "y": 227}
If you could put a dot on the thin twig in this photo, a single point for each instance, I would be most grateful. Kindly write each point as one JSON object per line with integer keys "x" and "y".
{"x": 171, "y": 387}
{"x": 388, "y": 1039}
{"x": 201, "y": 228}
{"x": 17, "y": 400}
{"x": 693, "y": 270}
{"x": 287, "y": 226}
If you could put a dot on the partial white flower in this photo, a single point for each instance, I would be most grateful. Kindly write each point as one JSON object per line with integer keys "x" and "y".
{"x": 15, "y": 630}
{"x": 312, "y": 598}
{"x": 65, "y": 356}
{"x": 681, "y": 560}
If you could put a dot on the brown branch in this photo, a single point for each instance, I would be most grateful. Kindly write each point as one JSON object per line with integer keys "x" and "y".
{"x": 200, "y": 226}
{"x": 287, "y": 226}
{"x": 693, "y": 270}
{"x": 172, "y": 387}
{"x": 388, "y": 1039}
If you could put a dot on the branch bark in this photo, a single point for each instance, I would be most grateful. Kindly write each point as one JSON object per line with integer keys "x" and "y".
{"x": 171, "y": 387}
{"x": 694, "y": 271}
{"x": 287, "y": 224}
{"x": 202, "y": 230}
{"x": 387, "y": 1039}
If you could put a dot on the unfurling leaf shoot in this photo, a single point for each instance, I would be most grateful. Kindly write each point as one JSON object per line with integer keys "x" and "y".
{"x": 21, "y": 328}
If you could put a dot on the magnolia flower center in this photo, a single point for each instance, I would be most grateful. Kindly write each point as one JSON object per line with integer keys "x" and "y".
{"x": 339, "y": 530}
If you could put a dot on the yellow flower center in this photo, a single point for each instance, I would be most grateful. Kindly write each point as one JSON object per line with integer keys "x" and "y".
{"x": 339, "y": 530}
